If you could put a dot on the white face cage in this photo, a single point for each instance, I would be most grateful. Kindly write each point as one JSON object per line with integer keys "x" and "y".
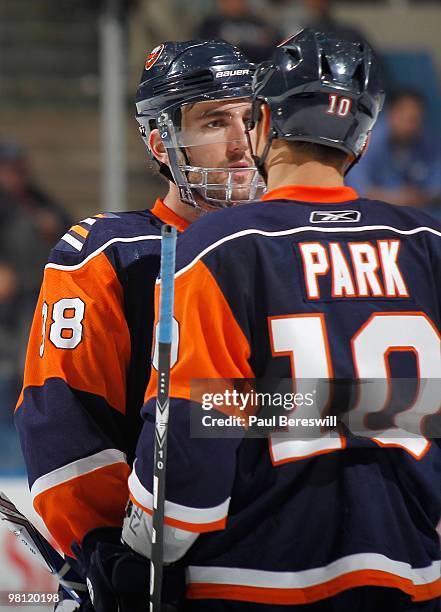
{"x": 222, "y": 194}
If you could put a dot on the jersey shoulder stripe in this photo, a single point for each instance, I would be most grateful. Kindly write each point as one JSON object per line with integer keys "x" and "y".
{"x": 93, "y": 235}
{"x": 75, "y": 238}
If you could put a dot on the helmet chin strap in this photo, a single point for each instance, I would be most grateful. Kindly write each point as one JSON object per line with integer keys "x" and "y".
{"x": 352, "y": 164}
{"x": 360, "y": 155}
{"x": 172, "y": 171}
{"x": 165, "y": 171}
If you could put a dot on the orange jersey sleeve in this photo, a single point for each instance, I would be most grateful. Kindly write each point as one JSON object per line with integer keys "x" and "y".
{"x": 208, "y": 344}
{"x": 69, "y": 413}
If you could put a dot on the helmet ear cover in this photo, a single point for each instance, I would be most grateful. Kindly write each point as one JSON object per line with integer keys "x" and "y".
{"x": 146, "y": 126}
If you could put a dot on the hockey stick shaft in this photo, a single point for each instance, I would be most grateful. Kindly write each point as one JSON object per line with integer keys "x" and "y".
{"x": 165, "y": 333}
{"x": 40, "y": 548}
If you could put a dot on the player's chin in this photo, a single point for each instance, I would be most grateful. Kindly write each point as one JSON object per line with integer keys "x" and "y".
{"x": 222, "y": 194}
{"x": 242, "y": 184}
{"x": 240, "y": 194}
{"x": 229, "y": 196}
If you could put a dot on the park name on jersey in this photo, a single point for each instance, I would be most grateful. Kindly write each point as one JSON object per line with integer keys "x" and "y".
{"x": 356, "y": 269}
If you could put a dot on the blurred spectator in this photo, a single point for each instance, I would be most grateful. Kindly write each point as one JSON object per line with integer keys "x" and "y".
{"x": 297, "y": 14}
{"x": 403, "y": 162}
{"x": 236, "y": 23}
{"x": 9, "y": 301}
{"x": 12, "y": 222}
{"x": 30, "y": 224}
{"x": 35, "y": 222}
{"x": 8, "y": 341}
{"x": 16, "y": 181}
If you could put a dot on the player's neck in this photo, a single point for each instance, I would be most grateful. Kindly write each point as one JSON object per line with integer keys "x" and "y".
{"x": 173, "y": 201}
{"x": 309, "y": 173}
{"x": 288, "y": 167}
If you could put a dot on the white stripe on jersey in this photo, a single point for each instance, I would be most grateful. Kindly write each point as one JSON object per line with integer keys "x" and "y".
{"x": 89, "y": 221}
{"x": 98, "y": 251}
{"x": 185, "y": 514}
{"x": 317, "y": 575}
{"x": 77, "y": 468}
{"x": 137, "y": 533}
{"x": 299, "y": 230}
{"x": 73, "y": 242}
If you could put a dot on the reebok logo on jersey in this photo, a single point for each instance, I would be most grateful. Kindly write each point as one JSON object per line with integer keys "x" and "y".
{"x": 230, "y": 73}
{"x": 335, "y": 216}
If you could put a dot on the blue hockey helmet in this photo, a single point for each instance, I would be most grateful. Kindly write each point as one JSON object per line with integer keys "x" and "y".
{"x": 176, "y": 76}
{"x": 320, "y": 88}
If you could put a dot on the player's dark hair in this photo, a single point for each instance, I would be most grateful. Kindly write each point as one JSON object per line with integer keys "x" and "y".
{"x": 321, "y": 153}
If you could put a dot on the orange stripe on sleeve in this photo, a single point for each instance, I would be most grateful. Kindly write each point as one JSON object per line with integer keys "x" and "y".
{"x": 71, "y": 509}
{"x": 98, "y": 364}
{"x": 80, "y": 230}
{"x": 193, "y": 527}
{"x": 211, "y": 342}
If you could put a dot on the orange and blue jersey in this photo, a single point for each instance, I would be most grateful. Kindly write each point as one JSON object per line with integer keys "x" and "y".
{"x": 87, "y": 367}
{"x": 310, "y": 283}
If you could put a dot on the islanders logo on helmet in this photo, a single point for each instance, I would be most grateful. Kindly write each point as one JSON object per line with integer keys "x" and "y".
{"x": 153, "y": 56}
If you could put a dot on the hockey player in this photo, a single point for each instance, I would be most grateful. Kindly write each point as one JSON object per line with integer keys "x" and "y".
{"x": 311, "y": 283}
{"x": 88, "y": 359}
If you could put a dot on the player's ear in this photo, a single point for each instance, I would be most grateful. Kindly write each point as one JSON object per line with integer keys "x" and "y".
{"x": 157, "y": 147}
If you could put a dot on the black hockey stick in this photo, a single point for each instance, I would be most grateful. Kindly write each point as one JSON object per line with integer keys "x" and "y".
{"x": 41, "y": 549}
{"x": 168, "y": 253}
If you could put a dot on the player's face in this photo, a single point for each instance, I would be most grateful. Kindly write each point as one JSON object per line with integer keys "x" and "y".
{"x": 405, "y": 119}
{"x": 13, "y": 176}
{"x": 213, "y": 136}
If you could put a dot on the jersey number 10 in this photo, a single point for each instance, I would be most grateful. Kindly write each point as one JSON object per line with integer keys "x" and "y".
{"x": 304, "y": 339}
{"x": 339, "y": 106}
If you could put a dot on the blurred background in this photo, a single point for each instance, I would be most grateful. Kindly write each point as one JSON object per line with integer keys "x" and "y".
{"x": 69, "y": 145}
